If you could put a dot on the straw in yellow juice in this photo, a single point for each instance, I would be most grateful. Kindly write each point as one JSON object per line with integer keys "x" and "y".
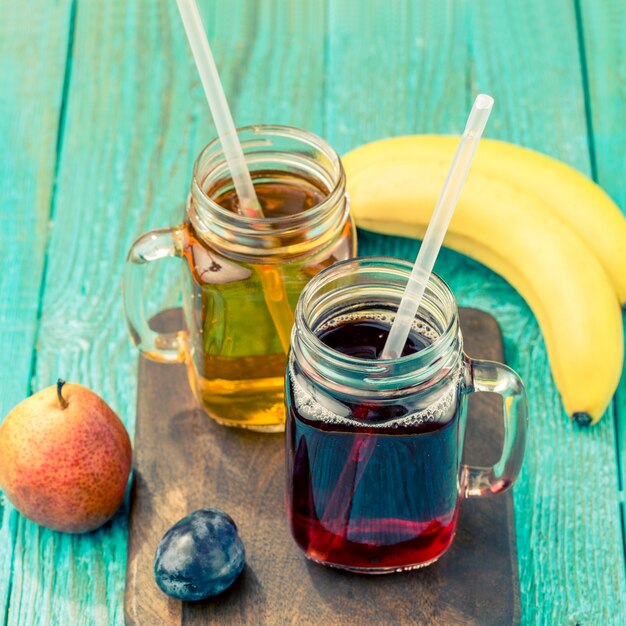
{"x": 276, "y": 300}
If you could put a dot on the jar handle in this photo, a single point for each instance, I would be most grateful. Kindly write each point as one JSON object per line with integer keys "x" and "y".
{"x": 498, "y": 378}
{"x": 151, "y": 246}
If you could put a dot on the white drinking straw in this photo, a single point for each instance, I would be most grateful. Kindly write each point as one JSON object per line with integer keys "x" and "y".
{"x": 437, "y": 228}
{"x": 248, "y": 202}
{"x": 271, "y": 278}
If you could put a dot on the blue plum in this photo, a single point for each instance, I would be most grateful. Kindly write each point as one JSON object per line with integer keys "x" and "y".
{"x": 200, "y": 556}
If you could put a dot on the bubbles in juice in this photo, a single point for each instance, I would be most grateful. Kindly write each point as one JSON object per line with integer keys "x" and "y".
{"x": 372, "y": 486}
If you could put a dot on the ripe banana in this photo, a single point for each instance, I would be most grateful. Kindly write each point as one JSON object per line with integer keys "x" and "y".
{"x": 571, "y": 196}
{"x": 518, "y": 234}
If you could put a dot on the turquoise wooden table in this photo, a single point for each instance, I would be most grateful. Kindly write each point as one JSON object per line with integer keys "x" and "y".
{"x": 101, "y": 116}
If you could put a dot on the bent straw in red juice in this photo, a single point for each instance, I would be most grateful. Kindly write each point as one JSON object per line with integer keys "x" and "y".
{"x": 333, "y": 524}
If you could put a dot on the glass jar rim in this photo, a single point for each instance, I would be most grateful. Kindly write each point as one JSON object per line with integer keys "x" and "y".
{"x": 386, "y": 372}
{"x": 282, "y": 223}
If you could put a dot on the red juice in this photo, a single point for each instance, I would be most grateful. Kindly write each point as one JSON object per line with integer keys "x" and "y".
{"x": 371, "y": 486}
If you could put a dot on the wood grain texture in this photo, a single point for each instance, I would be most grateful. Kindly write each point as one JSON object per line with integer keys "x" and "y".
{"x": 352, "y": 71}
{"x": 385, "y": 70}
{"x": 136, "y": 119}
{"x": 527, "y": 57}
{"x": 33, "y": 46}
{"x": 122, "y": 169}
{"x": 185, "y": 461}
{"x": 572, "y": 535}
{"x": 602, "y": 33}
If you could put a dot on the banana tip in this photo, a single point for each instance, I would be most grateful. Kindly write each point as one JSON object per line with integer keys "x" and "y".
{"x": 582, "y": 419}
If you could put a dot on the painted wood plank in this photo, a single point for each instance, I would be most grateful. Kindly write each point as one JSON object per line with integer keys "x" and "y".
{"x": 528, "y": 59}
{"x": 129, "y": 170}
{"x": 121, "y": 171}
{"x": 394, "y": 68}
{"x": 33, "y": 46}
{"x": 271, "y": 54}
{"x": 569, "y": 490}
{"x": 136, "y": 118}
{"x": 603, "y": 30}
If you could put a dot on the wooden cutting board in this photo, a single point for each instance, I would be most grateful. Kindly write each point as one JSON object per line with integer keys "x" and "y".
{"x": 184, "y": 461}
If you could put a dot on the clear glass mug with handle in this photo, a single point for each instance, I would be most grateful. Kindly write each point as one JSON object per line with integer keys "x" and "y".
{"x": 241, "y": 276}
{"x": 374, "y": 447}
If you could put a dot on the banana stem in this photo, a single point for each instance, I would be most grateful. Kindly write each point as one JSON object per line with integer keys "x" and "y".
{"x": 582, "y": 419}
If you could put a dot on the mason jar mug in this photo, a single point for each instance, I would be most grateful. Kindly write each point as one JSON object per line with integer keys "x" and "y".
{"x": 242, "y": 275}
{"x": 374, "y": 447}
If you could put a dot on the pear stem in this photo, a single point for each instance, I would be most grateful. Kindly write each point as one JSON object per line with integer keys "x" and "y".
{"x": 62, "y": 400}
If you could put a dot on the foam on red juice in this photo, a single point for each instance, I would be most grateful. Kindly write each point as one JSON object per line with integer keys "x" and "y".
{"x": 371, "y": 486}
